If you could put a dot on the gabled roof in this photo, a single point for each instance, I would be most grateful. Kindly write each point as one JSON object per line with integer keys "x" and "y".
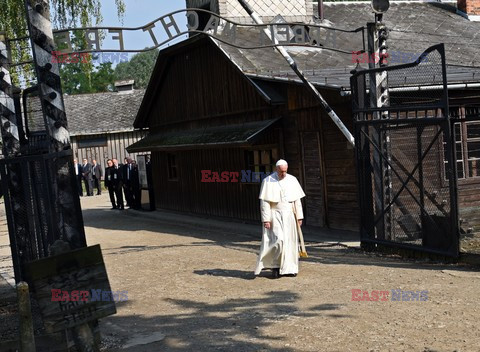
{"x": 414, "y": 26}
{"x": 162, "y": 64}
{"x": 102, "y": 112}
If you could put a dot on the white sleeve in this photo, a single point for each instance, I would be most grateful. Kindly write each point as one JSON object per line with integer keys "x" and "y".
{"x": 298, "y": 209}
{"x": 266, "y": 211}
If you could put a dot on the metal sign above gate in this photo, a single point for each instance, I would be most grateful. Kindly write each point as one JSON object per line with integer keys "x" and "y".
{"x": 218, "y": 27}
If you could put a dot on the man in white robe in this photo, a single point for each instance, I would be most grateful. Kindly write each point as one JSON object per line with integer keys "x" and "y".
{"x": 280, "y": 206}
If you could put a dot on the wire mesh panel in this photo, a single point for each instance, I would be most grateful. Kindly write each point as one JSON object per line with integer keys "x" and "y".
{"x": 42, "y": 205}
{"x": 404, "y": 150}
{"x": 38, "y": 140}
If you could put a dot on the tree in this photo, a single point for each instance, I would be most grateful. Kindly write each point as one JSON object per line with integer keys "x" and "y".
{"x": 76, "y": 79}
{"x": 139, "y": 68}
{"x": 64, "y": 13}
{"x": 79, "y": 75}
{"x": 103, "y": 78}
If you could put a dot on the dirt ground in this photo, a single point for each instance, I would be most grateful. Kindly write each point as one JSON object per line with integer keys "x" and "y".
{"x": 191, "y": 287}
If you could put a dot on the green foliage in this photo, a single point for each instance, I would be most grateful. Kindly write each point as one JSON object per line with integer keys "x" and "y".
{"x": 63, "y": 13}
{"x": 139, "y": 68}
{"x": 80, "y": 76}
{"x": 77, "y": 80}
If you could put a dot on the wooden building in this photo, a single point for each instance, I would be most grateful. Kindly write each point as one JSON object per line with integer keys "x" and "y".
{"x": 101, "y": 124}
{"x": 214, "y": 107}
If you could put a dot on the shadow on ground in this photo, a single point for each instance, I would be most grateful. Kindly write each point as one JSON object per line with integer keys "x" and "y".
{"x": 237, "y": 236}
{"x": 231, "y": 325}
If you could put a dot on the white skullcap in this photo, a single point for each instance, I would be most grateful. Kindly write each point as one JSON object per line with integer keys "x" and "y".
{"x": 281, "y": 162}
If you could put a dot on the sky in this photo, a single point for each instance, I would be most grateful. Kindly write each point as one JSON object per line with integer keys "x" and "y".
{"x": 137, "y": 14}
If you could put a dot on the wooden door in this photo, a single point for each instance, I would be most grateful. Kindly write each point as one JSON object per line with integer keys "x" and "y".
{"x": 313, "y": 179}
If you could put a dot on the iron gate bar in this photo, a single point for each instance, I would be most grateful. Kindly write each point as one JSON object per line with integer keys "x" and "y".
{"x": 39, "y": 225}
{"x": 30, "y": 215}
{"x": 429, "y": 196}
{"x": 400, "y": 108}
{"x": 413, "y": 247}
{"x": 420, "y": 222}
{"x": 425, "y": 121}
{"x": 10, "y": 224}
{"x": 410, "y": 175}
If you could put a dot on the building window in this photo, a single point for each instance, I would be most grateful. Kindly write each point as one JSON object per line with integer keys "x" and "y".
{"x": 172, "y": 167}
{"x": 93, "y": 141}
{"x": 467, "y": 144}
{"x": 472, "y": 147}
{"x": 261, "y": 161}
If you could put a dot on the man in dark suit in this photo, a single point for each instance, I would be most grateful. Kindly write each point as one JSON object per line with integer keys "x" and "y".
{"x": 136, "y": 188}
{"x": 109, "y": 182}
{"x": 117, "y": 178}
{"x": 78, "y": 174}
{"x": 97, "y": 174}
{"x": 128, "y": 175}
{"x": 87, "y": 177}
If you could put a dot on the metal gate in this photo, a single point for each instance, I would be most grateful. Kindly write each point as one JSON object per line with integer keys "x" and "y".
{"x": 405, "y": 156}
{"x": 40, "y": 190}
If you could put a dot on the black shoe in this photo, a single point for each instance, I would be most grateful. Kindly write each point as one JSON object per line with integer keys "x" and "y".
{"x": 276, "y": 273}
{"x": 121, "y": 208}
{"x": 113, "y": 208}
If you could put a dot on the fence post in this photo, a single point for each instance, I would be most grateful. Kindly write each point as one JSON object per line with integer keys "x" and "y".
{"x": 27, "y": 338}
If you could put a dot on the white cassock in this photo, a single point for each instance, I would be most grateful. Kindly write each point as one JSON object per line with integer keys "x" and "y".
{"x": 279, "y": 248}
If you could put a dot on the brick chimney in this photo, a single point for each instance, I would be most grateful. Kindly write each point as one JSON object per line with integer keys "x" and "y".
{"x": 125, "y": 86}
{"x": 290, "y": 10}
{"x": 471, "y": 8}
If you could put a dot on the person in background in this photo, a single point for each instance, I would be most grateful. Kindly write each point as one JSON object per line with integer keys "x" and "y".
{"x": 128, "y": 175}
{"x": 109, "y": 178}
{"x": 136, "y": 188}
{"x": 87, "y": 177}
{"x": 117, "y": 179}
{"x": 78, "y": 174}
{"x": 97, "y": 174}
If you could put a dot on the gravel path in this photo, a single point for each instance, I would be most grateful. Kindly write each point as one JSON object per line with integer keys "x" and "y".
{"x": 191, "y": 287}
{"x": 190, "y": 284}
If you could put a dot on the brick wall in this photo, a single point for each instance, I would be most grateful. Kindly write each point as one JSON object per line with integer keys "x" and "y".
{"x": 470, "y": 7}
{"x": 291, "y": 10}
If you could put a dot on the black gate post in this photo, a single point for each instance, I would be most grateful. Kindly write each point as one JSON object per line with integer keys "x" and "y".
{"x": 41, "y": 197}
{"x": 11, "y": 174}
{"x": 58, "y": 163}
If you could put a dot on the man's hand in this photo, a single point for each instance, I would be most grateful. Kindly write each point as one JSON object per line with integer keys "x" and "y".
{"x": 267, "y": 225}
{"x": 300, "y": 222}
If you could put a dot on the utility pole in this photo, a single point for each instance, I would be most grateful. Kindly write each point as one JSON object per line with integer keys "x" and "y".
{"x": 379, "y": 98}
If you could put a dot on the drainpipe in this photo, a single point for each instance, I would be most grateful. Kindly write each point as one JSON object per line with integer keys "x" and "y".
{"x": 320, "y": 10}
